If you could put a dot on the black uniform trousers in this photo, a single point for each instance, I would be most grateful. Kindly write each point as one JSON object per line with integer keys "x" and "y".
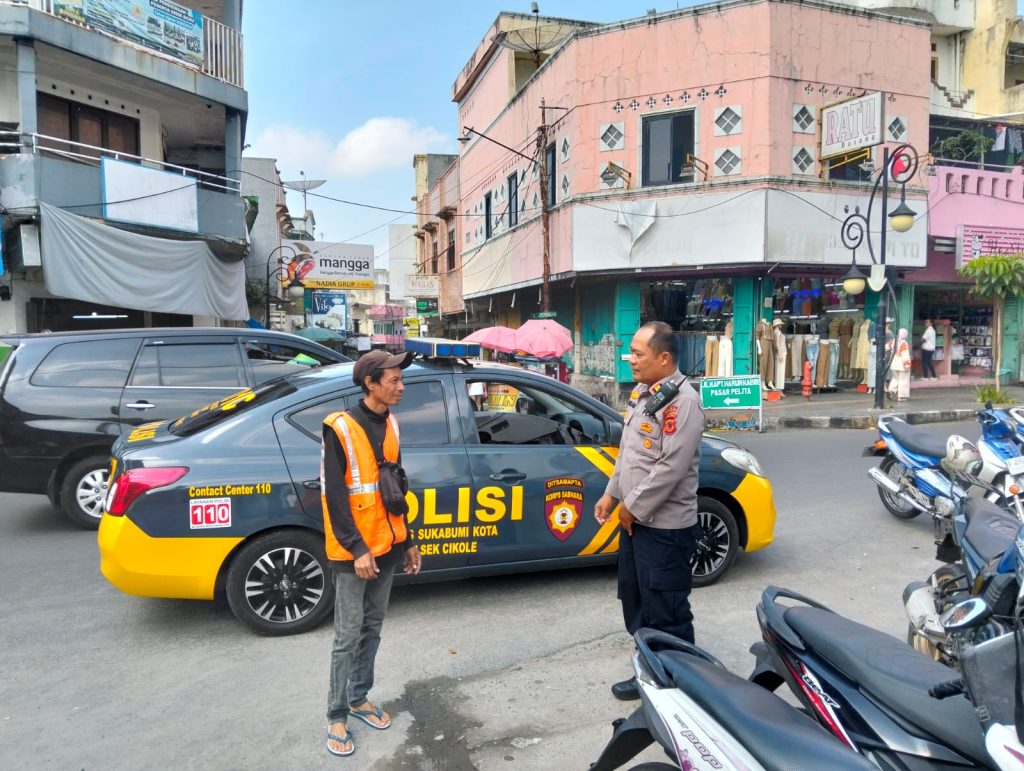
{"x": 655, "y": 577}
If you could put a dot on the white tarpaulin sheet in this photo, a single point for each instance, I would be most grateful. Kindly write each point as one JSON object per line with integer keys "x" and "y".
{"x": 87, "y": 260}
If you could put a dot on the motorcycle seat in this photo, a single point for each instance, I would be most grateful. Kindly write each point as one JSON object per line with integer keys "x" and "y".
{"x": 776, "y": 734}
{"x": 917, "y": 440}
{"x": 990, "y": 530}
{"x": 894, "y": 674}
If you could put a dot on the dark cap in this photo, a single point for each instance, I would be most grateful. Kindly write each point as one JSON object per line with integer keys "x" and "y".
{"x": 372, "y": 361}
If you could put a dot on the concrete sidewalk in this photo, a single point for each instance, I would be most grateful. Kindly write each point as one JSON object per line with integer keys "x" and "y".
{"x": 852, "y": 409}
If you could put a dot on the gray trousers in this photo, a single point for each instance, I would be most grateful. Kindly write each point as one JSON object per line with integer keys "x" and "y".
{"x": 359, "y": 610}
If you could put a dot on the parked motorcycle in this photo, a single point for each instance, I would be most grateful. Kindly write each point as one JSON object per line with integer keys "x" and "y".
{"x": 705, "y": 717}
{"x": 1002, "y": 462}
{"x": 888, "y": 702}
{"x": 911, "y": 478}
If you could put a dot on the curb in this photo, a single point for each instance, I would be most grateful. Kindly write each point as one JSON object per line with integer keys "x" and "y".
{"x": 869, "y": 421}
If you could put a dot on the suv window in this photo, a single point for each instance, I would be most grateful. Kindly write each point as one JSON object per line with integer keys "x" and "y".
{"x": 515, "y": 412}
{"x": 96, "y": 364}
{"x": 270, "y": 359}
{"x": 196, "y": 365}
{"x": 422, "y": 414}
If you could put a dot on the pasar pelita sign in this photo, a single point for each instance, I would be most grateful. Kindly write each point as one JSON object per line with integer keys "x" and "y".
{"x": 851, "y": 125}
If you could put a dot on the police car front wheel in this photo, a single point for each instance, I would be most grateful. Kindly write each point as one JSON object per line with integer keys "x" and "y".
{"x": 718, "y": 541}
{"x": 279, "y": 583}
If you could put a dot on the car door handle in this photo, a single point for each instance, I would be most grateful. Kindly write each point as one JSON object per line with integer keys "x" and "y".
{"x": 508, "y": 476}
{"x": 140, "y": 406}
{"x": 311, "y": 484}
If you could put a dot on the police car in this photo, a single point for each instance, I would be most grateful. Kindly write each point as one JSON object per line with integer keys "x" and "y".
{"x": 505, "y": 467}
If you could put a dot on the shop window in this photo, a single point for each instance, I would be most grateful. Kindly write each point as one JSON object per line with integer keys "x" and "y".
{"x": 696, "y": 309}
{"x": 513, "y": 200}
{"x": 851, "y": 167}
{"x": 64, "y": 119}
{"x": 667, "y": 141}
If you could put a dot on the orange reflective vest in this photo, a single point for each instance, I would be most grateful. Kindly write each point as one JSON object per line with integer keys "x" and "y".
{"x": 379, "y": 529}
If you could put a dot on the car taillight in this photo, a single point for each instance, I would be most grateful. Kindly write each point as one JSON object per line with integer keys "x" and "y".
{"x": 131, "y": 484}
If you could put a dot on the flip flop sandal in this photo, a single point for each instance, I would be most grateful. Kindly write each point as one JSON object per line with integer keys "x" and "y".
{"x": 341, "y": 740}
{"x": 364, "y": 715}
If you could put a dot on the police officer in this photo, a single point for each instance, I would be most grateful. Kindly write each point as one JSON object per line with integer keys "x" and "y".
{"x": 365, "y": 540}
{"x": 654, "y": 487}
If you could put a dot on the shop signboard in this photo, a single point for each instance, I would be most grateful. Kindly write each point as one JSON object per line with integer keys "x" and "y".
{"x": 328, "y": 308}
{"x": 426, "y": 306}
{"x": 419, "y": 285}
{"x": 739, "y": 392}
{"x": 851, "y": 125}
{"x": 544, "y": 315}
{"x": 162, "y": 25}
{"x": 320, "y": 265}
{"x": 977, "y": 240}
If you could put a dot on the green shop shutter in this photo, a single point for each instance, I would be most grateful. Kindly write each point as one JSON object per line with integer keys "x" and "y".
{"x": 744, "y": 317}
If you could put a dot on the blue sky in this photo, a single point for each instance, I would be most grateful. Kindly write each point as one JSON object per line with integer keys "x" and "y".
{"x": 349, "y": 92}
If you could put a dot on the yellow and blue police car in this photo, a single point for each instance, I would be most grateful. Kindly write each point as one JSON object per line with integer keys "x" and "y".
{"x": 505, "y": 467}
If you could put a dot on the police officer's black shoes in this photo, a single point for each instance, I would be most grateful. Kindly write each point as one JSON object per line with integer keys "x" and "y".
{"x": 627, "y": 690}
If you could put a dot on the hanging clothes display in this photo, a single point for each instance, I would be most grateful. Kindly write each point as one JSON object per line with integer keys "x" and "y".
{"x": 724, "y": 356}
{"x": 811, "y": 345}
{"x": 711, "y": 356}
{"x": 834, "y": 363}
{"x": 821, "y": 371}
{"x": 765, "y": 352}
{"x": 781, "y": 354}
{"x": 846, "y": 329}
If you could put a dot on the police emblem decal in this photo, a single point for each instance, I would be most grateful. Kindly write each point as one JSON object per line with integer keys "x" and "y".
{"x": 670, "y": 419}
{"x": 563, "y": 505}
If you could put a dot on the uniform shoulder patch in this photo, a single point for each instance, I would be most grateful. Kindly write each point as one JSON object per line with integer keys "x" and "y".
{"x": 670, "y": 419}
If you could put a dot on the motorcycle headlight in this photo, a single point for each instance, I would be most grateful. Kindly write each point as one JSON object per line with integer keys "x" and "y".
{"x": 743, "y": 460}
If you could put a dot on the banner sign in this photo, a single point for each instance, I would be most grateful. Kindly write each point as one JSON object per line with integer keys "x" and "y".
{"x": 426, "y": 307}
{"x": 977, "y": 240}
{"x": 418, "y": 285}
{"x": 141, "y": 196}
{"x": 851, "y": 125}
{"x": 161, "y": 25}
{"x": 320, "y": 265}
{"x": 328, "y": 308}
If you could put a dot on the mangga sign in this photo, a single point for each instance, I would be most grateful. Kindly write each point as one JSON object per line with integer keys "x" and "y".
{"x": 337, "y": 283}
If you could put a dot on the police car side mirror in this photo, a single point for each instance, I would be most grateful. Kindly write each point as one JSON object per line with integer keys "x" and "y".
{"x": 614, "y": 432}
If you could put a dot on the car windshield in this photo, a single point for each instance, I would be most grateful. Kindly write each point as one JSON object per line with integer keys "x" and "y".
{"x": 225, "y": 408}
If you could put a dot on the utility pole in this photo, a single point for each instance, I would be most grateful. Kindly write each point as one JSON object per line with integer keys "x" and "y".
{"x": 542, "y": 150}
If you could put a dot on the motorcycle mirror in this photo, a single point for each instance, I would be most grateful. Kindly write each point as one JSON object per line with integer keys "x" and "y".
{"x": 988, "y": 404}
{"x": 968, "y": 614}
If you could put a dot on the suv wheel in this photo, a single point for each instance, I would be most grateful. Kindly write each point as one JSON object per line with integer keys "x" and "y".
{"x": 84, "y": 489}
{"x": 279, "y": 583}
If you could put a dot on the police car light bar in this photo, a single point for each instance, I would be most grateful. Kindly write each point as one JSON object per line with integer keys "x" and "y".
{"x": 440, "y": 348}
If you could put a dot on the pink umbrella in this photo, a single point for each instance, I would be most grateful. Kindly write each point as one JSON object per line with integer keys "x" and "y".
{"x": 543, "y": 338}
{"x": 498, "y": 338}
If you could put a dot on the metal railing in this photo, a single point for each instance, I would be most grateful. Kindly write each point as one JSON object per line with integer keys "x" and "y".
{"x": 41, "y": 144}
{"x": 222, "y": 45}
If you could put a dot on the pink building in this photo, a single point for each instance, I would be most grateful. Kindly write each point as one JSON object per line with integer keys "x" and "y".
{"x": 685, "y": 183}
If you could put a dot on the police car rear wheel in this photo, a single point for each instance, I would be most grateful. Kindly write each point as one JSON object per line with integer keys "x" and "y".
{"x": 84, "y": 490}
{"x": 718, "y": 541}
{"x": 278, "y": 584}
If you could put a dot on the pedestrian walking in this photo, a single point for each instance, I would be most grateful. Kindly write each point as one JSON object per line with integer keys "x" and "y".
{"x": 362, "y": 489}
{"x": 653, "y": 492}
{"x": 928, "y": 351}
{"x": 899, "y": 386}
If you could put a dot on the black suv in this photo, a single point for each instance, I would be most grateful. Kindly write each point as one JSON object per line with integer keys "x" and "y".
{"x": 65, "y": 397}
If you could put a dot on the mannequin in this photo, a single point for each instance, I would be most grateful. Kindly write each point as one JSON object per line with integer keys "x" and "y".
{"x": 779, "y": 340}
{"x": 765, "y": 353}
{"x": 725, "y": 352}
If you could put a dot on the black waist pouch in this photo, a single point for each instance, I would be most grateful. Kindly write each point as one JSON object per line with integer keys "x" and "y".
{"x": 393, "y": 484}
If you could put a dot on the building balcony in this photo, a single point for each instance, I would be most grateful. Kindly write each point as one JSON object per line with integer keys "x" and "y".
{"x": 198, "y": 44}
{"x": 985, "y": 195}
{"x": 77, "y": 177}
{"x": 945, "y": 16}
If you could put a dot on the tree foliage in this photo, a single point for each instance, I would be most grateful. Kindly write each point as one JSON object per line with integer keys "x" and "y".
{"x": 963, "y": 146}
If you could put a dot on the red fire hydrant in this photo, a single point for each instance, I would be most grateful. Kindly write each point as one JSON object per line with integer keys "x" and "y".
{"x": 807, "y": 381}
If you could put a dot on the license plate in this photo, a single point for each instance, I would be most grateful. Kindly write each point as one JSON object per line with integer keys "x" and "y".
{"x": 1015, "y": 465}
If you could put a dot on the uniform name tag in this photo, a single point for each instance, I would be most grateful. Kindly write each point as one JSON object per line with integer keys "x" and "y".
{"x": 646, "y": 427}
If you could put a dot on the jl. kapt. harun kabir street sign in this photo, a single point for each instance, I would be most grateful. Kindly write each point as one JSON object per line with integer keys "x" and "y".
{"x": 741, "y": 392}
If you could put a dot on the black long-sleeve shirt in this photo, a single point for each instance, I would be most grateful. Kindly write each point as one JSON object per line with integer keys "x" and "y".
{"x": 336, "y": 491}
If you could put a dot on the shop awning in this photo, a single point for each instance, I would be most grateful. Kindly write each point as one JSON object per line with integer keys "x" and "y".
{"x": 87, "y": 260}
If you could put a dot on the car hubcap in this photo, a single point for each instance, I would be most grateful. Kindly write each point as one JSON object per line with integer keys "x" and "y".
{"x": 92, "y": 490}
{"x": 284, "y": 585}
{"x": 712, "y": 544}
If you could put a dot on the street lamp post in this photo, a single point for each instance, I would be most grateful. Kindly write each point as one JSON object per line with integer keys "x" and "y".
{"x": 295, "y": 287}
{"x": 899, "y": 166}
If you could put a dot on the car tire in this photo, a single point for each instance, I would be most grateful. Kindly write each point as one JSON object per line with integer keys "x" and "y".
{"x": 718, "y": 541}
{"x": 84, "y": 489}
{"x": 279, "y": 583}
{"x": 892, "y": 504}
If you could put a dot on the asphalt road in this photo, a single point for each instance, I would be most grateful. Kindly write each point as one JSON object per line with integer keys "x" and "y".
{"x": 494, "y": 673}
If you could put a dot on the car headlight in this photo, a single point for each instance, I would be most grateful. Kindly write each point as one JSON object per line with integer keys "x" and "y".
{"x": 743, "y": 460}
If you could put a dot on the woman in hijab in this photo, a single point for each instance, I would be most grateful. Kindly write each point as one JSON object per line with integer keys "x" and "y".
{"x": 899, "y": 386}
